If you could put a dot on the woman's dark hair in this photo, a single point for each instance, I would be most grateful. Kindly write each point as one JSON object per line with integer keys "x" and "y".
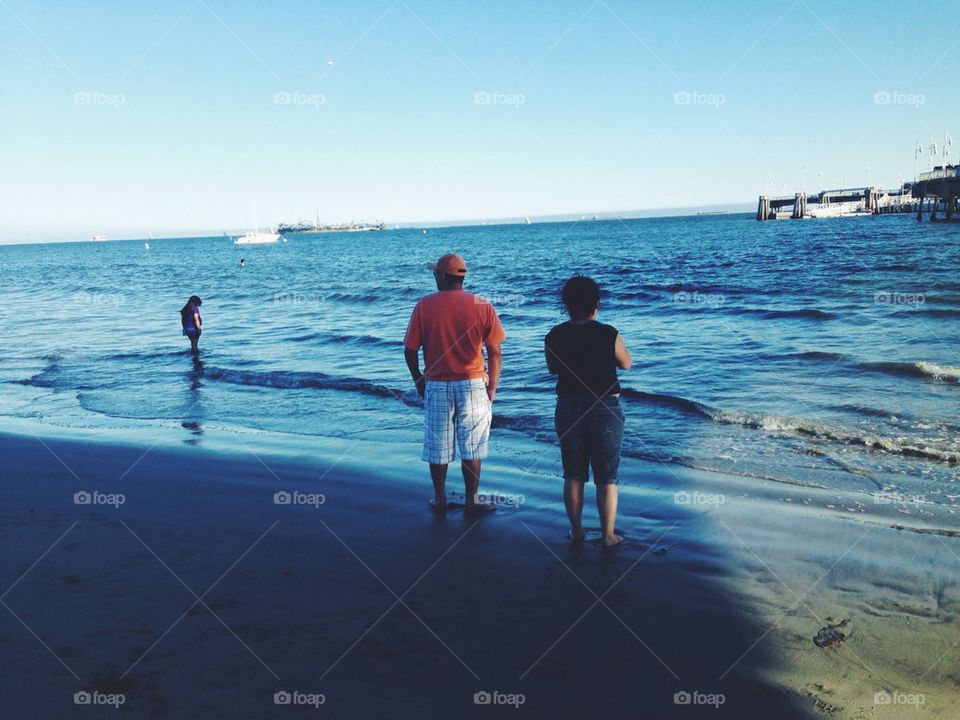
{"x": 192, "y": 304}
{"x": 581, "y": 296}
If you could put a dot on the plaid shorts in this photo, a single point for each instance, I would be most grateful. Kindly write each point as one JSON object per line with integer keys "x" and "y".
{"x": 456, "y": 406}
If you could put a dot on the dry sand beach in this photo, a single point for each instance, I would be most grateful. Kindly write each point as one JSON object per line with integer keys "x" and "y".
{"x": 201, "y": 597}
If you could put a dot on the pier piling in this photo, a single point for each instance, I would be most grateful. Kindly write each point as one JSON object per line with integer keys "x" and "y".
{"x": 940, "y": 185}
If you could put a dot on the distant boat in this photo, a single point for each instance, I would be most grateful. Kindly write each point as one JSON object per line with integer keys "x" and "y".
{"x": 254, "y": 237}
{"x": 526, "y": 221}
{"x": 98, "y": 238}
{"x": 146, "y": 246}
{"x": 301, "y": 226}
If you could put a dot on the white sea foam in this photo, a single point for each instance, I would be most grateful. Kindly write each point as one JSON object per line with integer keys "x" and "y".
{"x": 940, "y": 372}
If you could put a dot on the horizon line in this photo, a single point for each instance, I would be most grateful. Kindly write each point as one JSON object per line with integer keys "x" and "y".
{"x": 587, "y": 216}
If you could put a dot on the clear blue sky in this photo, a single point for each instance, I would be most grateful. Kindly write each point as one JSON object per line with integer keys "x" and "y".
{"x": 124, "y": 118}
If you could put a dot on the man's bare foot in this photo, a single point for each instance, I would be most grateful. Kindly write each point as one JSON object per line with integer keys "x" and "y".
{"x": 576, "y": 535}
{"x": 439, "y": 505}
{"x": 612, "y": 540}
{"x": 479, "y": 508}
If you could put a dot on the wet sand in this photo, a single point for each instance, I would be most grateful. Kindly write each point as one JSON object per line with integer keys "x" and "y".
{"x": 200, "y": 596}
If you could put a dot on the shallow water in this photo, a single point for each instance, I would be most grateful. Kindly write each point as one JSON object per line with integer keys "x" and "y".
{"x": 821, "y": 353}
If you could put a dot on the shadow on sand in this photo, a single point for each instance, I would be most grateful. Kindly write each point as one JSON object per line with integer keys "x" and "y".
{"x": 365, "y": 598}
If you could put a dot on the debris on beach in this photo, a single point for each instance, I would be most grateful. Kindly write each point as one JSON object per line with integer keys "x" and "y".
{"x": 831, "y": 634}
{"x": 814, "y": 692}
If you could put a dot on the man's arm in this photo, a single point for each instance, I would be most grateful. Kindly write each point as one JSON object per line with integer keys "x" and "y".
{"x": 412, "y": 343}
{"x": 413, "y": 363}
{"x": 494, "y": 366}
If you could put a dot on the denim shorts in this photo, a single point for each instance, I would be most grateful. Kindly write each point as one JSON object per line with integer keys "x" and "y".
{"x": 591, "y": 433}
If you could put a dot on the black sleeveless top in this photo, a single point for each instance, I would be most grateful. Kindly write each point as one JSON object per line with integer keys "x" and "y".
{"x": 584, "y": 356}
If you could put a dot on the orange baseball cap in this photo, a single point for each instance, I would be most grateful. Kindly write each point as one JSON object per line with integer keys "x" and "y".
{"x": 451, "y": 264}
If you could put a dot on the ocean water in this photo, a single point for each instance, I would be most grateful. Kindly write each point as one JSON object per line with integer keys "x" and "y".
{"x": 821, "y": 352}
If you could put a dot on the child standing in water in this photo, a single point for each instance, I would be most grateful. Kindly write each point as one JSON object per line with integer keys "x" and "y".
{"x": 584, "y": 355}
{"x": 191, "y": 322}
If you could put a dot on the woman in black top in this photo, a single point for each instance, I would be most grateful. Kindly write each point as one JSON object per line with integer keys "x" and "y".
{"x": 584, "y": 355}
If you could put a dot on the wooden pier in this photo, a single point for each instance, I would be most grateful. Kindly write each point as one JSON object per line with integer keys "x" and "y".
{"x": 865, "y": 201}
{"x": 938, "y": 191}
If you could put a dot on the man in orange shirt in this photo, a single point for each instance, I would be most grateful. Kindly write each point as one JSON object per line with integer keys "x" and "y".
{"x": 453, "y": 327}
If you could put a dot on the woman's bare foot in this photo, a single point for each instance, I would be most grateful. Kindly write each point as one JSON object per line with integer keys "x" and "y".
{"x": 576, "y": 535}
{"x": 612, "y": 539}
{"x": 439, "y": 505}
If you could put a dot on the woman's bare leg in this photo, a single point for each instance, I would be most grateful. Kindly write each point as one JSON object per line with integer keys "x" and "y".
{"x": 573, "y": 500}
{"x": 607, "y": 507}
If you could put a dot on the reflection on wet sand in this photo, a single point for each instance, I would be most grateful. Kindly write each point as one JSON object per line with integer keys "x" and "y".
{"x": 192, "y": 422}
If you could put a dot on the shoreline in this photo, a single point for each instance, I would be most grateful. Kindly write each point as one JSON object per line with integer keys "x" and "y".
{"x": 696, "y": 592}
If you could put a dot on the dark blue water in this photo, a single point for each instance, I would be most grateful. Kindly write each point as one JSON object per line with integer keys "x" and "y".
{"x": 819, "y": 352}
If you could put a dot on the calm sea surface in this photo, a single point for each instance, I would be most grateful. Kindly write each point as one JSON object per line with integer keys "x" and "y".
{"x": 821, "y": 353}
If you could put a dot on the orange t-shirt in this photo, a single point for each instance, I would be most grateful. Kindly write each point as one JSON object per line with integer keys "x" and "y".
{"x": 453, "y": 326}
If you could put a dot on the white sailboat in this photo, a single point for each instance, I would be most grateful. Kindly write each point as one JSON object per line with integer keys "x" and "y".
{"x": 255, "y": 237}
